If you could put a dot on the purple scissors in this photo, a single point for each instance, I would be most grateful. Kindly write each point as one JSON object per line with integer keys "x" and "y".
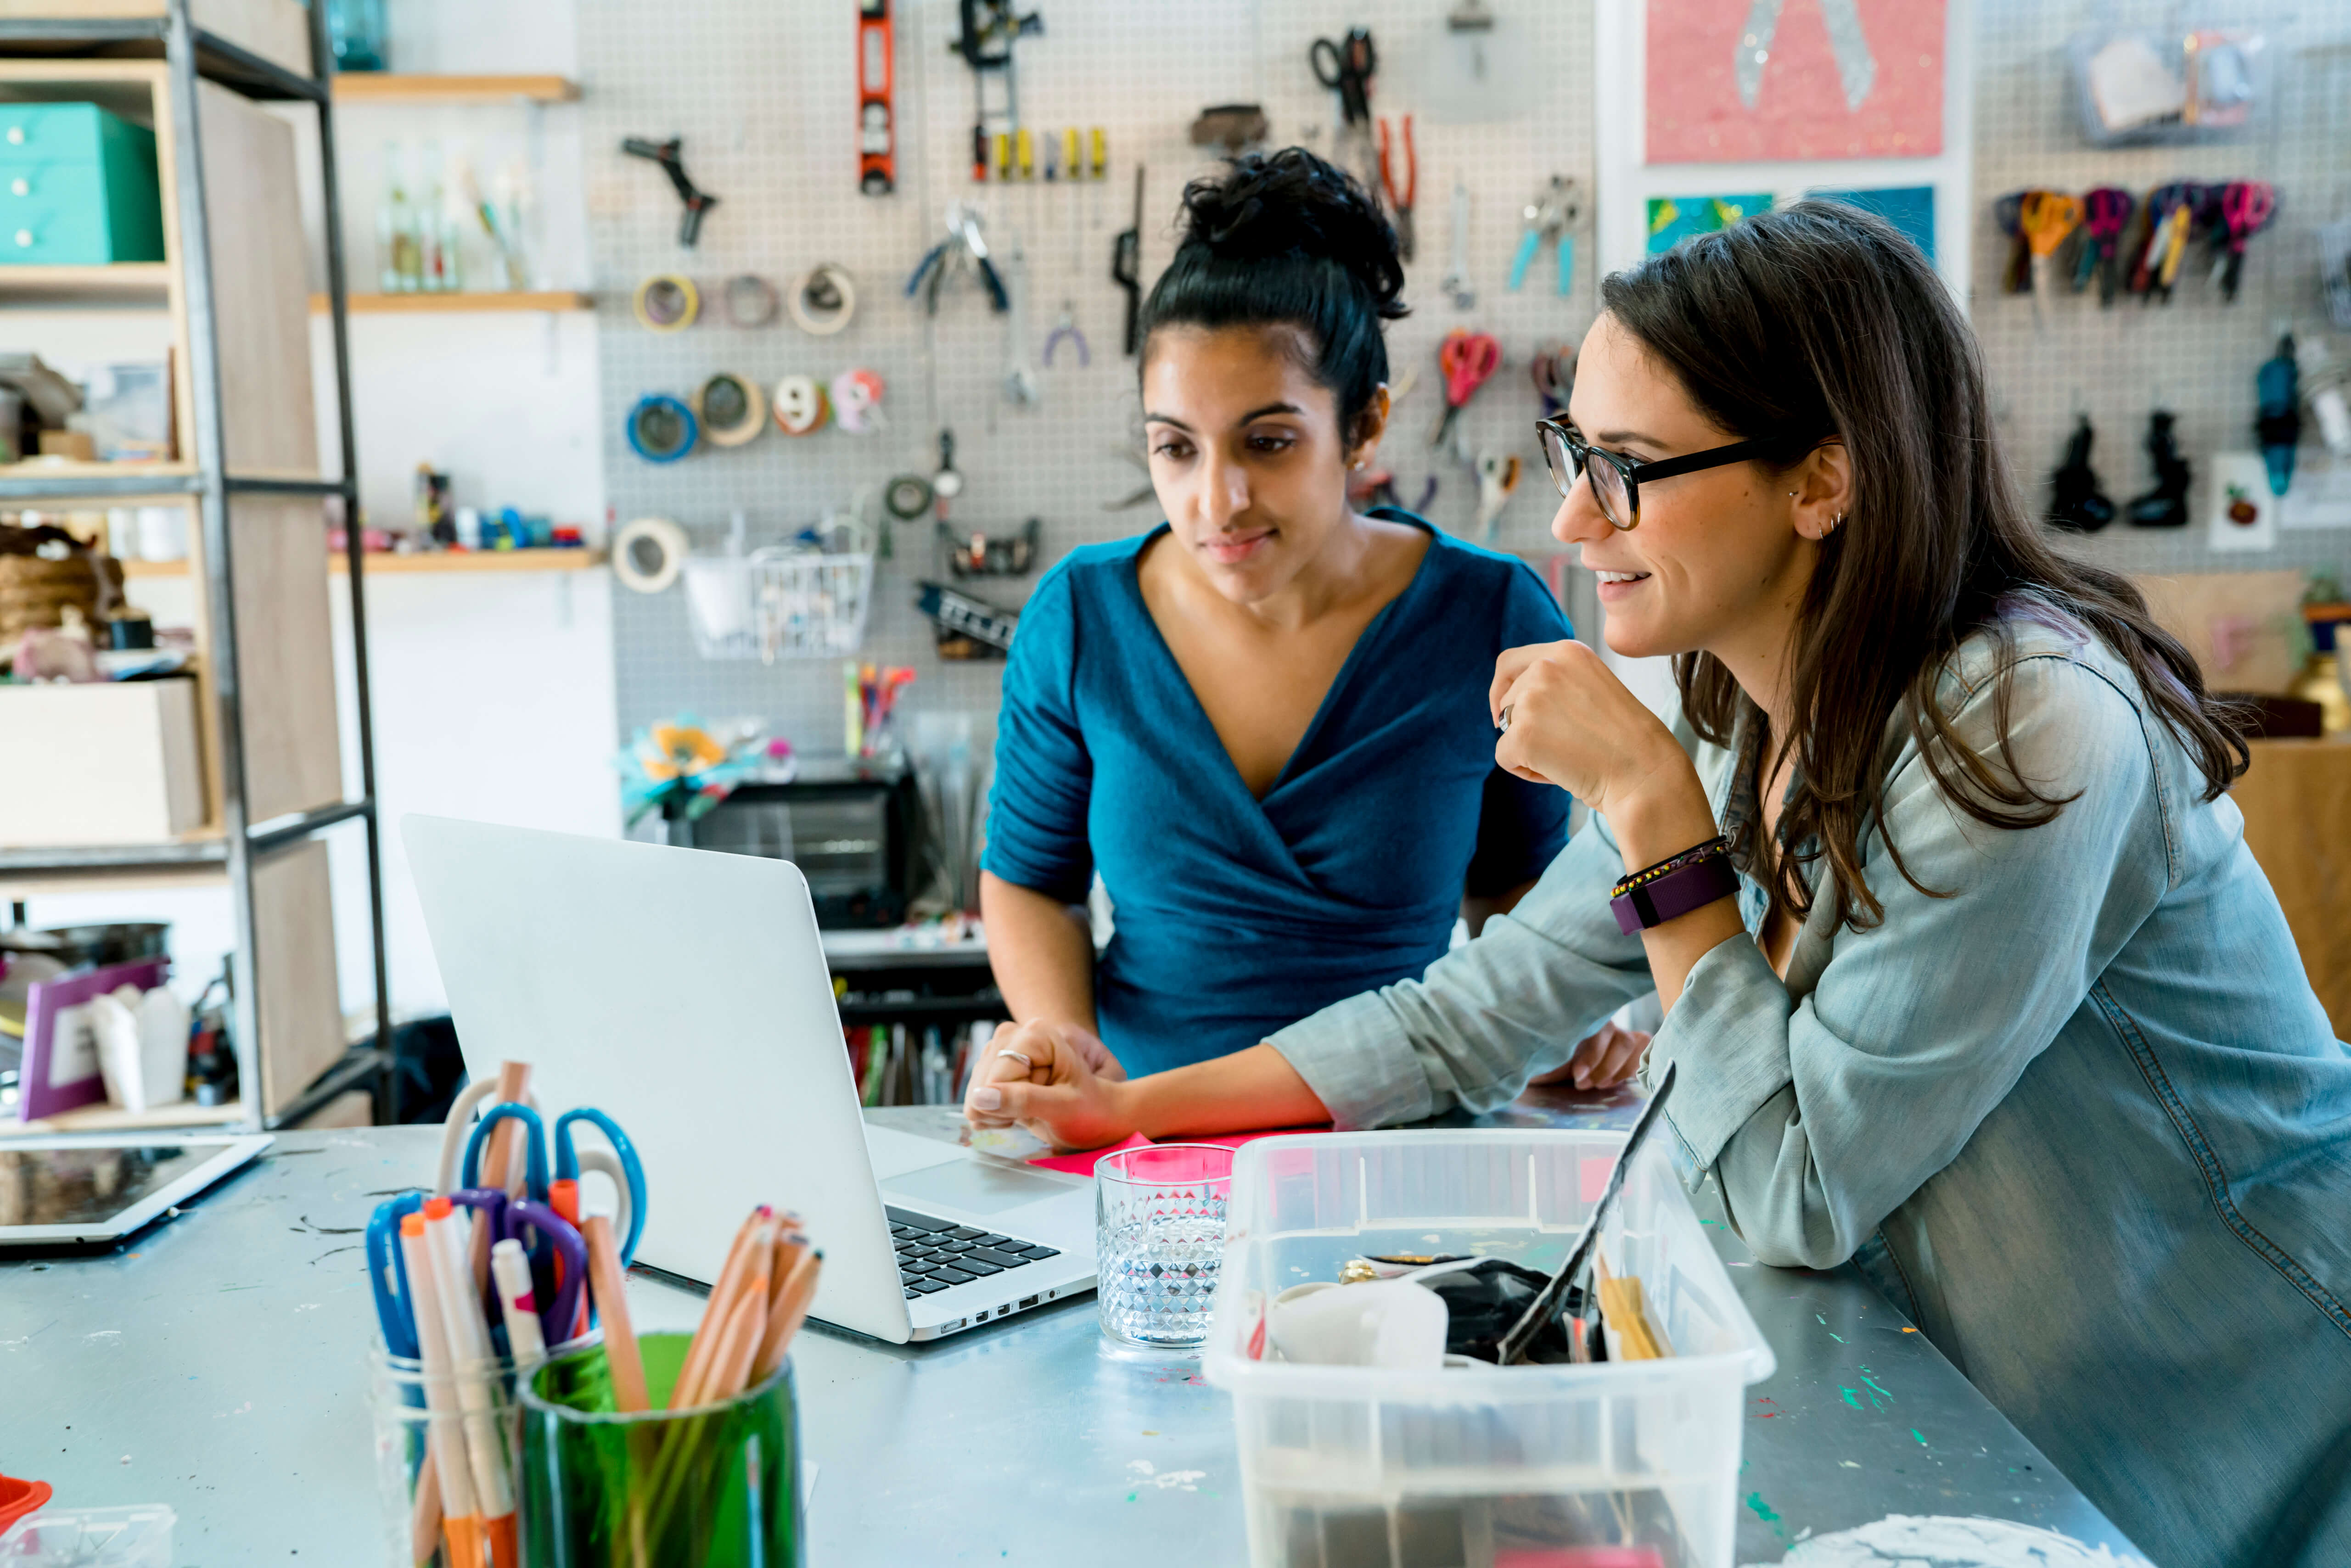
{"x": 531, "y": 1223}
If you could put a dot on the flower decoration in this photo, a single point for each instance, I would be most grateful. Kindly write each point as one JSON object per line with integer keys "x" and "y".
{"x": 680, "y": 768}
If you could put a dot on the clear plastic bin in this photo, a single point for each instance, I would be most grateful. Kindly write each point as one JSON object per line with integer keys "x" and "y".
{"x": 135, "y": 1537}
{"x": 1635, "y": 1462}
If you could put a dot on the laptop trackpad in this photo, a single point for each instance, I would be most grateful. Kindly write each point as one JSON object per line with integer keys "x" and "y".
{"x": 974, "y": 1187}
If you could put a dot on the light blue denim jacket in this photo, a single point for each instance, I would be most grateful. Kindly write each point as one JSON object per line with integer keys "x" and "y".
{"x": 2083, "y": 1119}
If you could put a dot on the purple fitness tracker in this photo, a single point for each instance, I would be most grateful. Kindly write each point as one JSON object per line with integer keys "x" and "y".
{"x": 1672, "y": 888}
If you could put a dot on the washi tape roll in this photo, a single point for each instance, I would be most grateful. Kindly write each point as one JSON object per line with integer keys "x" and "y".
{"x": 667, "y": 302}
{"x": 823, "y": 300}
{"x": 730, "y": 408}
{"x": 749, "y": 300}
{"x": 648, "y": 554}
{"x": 661, "y": 429}
{"x": 800, "y": 406}
{"x": 857, "y": 401}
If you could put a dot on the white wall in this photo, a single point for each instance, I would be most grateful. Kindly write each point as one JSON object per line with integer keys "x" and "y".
{"x": 493, "y": 694}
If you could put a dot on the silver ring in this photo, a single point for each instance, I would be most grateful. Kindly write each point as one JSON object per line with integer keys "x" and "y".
{"x": 1019, "y": 1057}
{"x": 1504, "y": 724}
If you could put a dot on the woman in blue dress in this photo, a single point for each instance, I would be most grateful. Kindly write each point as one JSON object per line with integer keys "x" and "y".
{"x": 1259, "y": 722}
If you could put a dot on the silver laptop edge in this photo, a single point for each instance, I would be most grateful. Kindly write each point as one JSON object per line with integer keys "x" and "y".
{"x": 686, "y": 993}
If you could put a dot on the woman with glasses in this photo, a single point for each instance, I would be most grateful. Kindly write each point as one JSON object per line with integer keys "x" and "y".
{"x": 1968, "y": 976}
{"x": 1260, "y": 721}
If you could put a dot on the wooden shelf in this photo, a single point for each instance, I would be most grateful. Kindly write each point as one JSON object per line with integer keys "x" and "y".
{"x": 380, "y": 563}
{"x": 82, "y": 282}
{"x": 508, "y": 301}
{"x": 398, "y": 86}
{"x": 2317, "y": 612}
{"x": 114, "y": 1119}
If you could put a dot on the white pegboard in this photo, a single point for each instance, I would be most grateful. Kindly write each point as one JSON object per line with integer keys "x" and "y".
{"x": 763, "y": 95}
{"x": 2197, "y": 356}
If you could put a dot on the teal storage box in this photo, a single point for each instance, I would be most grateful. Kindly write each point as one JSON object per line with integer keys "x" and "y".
{"x": 78, "y": 187}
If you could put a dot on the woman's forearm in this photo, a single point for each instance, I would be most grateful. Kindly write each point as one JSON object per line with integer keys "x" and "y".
{"x": 1237, "y": 1093}
{"x": 1670, "y": 817}
{"x": 1042, "y": 952}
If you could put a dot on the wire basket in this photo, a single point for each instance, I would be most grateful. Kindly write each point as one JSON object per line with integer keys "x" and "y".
{"x": 779, "y": 604}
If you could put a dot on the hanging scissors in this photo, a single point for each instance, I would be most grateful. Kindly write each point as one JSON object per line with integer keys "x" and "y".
{"x": 2045, "y": 218}
{"x": 1400, "y": 198}
{"x": 1469, "y": 360}
{"x": 2105, "y": 213}
{"x": 2246, "y": 207}
{"x": 1347, "y": 69}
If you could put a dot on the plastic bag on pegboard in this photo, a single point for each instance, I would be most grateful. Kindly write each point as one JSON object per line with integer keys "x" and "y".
{"x": 2143, "y": 85}
{"x": 2334, "y": 269}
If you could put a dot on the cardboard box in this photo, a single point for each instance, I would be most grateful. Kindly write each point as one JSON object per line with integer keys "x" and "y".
{"x": 109, "y": 763}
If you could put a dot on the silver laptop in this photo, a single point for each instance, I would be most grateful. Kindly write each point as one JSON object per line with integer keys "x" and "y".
{"x": 684, "y": 992}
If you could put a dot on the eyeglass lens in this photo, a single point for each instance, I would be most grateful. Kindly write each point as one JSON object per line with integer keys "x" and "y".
{"x": 1607, "y": 481}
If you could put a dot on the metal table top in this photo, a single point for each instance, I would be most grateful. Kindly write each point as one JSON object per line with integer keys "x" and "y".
{"x": 215, "y": 1363}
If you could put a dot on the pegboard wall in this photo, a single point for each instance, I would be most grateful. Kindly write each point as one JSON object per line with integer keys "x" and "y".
{"x": 2197, "y": 356}
{"x": 764, "y": 96}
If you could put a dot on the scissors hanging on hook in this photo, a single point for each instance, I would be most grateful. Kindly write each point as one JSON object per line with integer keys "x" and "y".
{"x": 1347, "y": 69}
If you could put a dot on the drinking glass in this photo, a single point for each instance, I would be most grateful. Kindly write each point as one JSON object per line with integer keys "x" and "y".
{"x": 1159, "y": 1236}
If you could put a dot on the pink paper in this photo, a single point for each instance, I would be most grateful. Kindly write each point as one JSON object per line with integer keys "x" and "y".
{"x": 1084, "y": 1163}
{"x": 1800, "y": 108}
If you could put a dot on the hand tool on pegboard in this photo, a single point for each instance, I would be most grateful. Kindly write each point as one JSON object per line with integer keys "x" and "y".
{"x": 669, "y": 154}
{"x": 877, "y": 114}
{"x": 986, "y": 32}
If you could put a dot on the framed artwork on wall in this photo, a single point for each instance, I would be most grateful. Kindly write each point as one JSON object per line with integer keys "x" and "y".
{"x": 1744, "y": 81}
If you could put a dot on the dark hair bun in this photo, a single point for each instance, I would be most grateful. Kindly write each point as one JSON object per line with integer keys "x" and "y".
{"x": 1267, "y": 205}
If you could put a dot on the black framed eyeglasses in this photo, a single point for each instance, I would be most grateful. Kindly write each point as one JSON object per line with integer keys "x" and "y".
{"x": 1616, "y": 479}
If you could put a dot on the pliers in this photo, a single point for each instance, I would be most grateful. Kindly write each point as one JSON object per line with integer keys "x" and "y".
{"x": 1400, "y": 198}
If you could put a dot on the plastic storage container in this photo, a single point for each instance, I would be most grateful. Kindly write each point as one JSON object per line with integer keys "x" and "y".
{"x": 136, "y": 1537}
{"x": 1636, "y": 1463}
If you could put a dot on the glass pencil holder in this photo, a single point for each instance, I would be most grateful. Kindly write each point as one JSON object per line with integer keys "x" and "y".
{"x": 467, "y": 1414}
{"x": 715, "y": 1484}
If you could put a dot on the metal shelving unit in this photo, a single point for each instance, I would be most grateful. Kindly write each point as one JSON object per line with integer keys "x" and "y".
{"x": 191, "y": 54}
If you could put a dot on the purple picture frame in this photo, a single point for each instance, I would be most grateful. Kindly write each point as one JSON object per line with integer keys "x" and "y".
{"x": 44, "y": 1000}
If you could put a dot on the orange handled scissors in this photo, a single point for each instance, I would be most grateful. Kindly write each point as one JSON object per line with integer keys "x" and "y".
{"x": 1468, "y": 360}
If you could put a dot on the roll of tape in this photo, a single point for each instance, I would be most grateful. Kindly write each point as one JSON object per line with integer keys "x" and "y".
{"x": 823, "y": 300}
{"x": 908, "y": 496}
{"x": 749, "y": 300}
{"x": 801, "y": 407}
{"x": 730, "y": 408}
{"x": 648, "y": 554}
{"x": 667, "y": 302}
{"x": 661, "y": 429}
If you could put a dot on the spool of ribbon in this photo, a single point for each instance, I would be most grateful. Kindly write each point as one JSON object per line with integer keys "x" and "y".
{"x": 667, "y": 302}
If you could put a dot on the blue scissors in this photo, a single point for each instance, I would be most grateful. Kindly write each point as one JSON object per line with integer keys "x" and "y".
{"x": 388, "y": 1274}
{"x": 623, "y": 1166}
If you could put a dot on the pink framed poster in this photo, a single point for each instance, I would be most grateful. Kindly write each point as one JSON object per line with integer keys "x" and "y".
{"x": 1744, "y": 81}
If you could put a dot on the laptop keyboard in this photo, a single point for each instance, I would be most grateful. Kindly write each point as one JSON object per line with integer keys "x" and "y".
{"x": 934, "y": 1254}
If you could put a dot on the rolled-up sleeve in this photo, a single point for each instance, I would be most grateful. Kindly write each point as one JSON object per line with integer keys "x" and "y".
{"x": 1486, "y": 1017}
{"x": 1820, "y": 1117}
{"x": 1044, "y": 777}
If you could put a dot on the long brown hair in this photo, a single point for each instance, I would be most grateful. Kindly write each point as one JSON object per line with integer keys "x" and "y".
{"x": 1819, "y": 322}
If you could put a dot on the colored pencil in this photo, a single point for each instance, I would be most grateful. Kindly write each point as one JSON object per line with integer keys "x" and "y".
{"x": 713, "y": 1319}
{"x": 497, "y": 1165}
{"x": 785, "y": 1318}
{"x": 444, "y": 1429}
{"x": 605, "y": 1284}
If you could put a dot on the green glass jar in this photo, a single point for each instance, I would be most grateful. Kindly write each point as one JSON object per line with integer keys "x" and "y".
{"x": 716, "y": 1484}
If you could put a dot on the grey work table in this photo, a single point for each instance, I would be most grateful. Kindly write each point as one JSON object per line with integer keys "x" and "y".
{"x": 215, "y": 1363}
